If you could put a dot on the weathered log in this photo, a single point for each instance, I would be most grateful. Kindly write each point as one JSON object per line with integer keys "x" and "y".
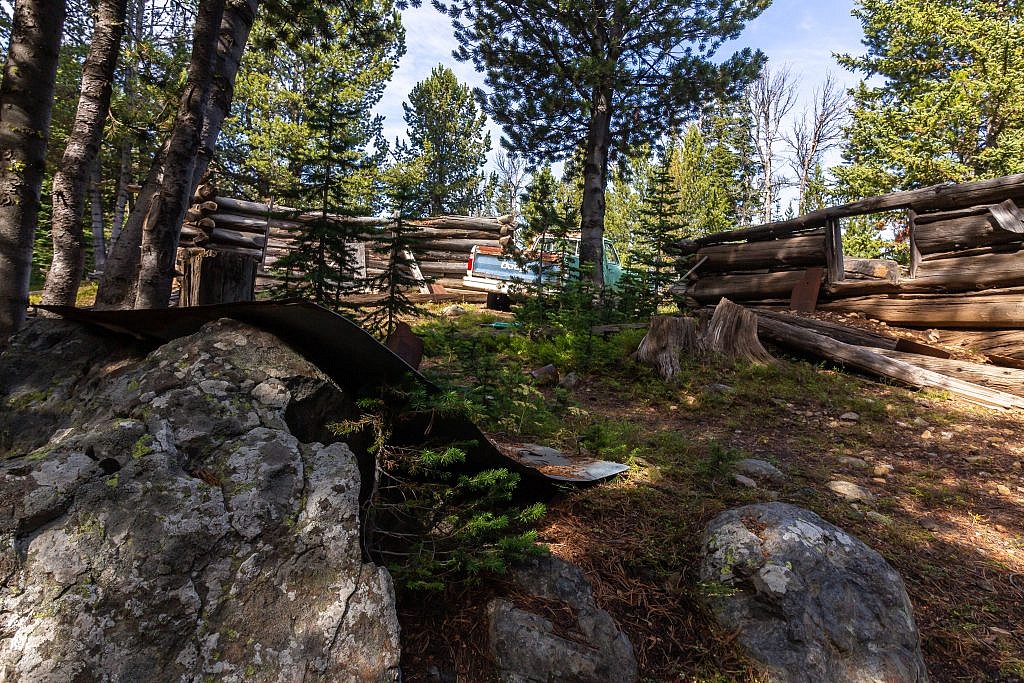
{"x": 970, "y": 273}
{"x": 238, "y": 239}
{"x": 254, "y": 223}
{"x": 958, "y": 234}
{"x": 1005, "y": 343}
{"x": 667, "y": 337}
{"x": 843, "y": 333}
{"x": 856, "y": 288}
{"x": 443, "y": 267}
{"x": 876, "y": 268}
{"x": 936, "y": 197}
{"x": 1010, "y": 380}
{"x": 732, "y": 334}
{"x": 229, "y": 205}
{"x": 792, "y": 251}
{"x": 232, "y": 249}
{"x": 758, "y": 286}
{"x": 993, "y": 309}
{"x": 819, "y": 346}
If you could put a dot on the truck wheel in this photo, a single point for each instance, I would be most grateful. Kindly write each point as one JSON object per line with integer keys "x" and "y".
{"x": 498, "y": 302}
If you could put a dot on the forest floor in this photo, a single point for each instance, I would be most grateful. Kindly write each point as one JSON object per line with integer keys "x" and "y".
{"x": 948, "y": 477}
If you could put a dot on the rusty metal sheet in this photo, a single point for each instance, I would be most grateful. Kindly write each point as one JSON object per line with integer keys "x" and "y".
{"x": 805, "y": 293}
{"x": 342, "y": 350}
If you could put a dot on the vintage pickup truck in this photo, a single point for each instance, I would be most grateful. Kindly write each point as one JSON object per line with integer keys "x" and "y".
{"x": 493, "y": 270}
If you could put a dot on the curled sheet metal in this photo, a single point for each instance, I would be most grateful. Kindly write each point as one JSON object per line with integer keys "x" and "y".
{"x": 344, "y": 352}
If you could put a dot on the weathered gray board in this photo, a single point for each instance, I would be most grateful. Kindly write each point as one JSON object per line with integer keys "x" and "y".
{"x": 344, "y": 352}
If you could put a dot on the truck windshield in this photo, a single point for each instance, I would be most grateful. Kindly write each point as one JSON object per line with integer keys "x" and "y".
{"x": 559, "y": 245}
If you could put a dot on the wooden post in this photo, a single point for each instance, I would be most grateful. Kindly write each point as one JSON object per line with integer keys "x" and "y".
{"x": 834, "y": 251}
{"x": 915, "y": 253}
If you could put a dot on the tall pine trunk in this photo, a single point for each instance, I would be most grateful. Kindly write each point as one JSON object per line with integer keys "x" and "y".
{"x": 160, "y": 232}
{"x": 71, "y": 181}
{"x": 116, "y": 288}
{"x": 26, "y": 102}
{"x": 595, "y": 174}
{"x": 239, "y": 16}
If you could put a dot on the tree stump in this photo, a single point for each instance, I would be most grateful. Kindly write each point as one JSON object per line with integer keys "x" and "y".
{"x": 732, "y": 333}
{"x": 216, "y": 277}
{"x": 667, "y": 337}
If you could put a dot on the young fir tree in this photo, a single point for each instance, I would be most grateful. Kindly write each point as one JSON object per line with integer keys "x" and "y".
{"x": 398, "y": 245}
{"x": 659, "y": 228}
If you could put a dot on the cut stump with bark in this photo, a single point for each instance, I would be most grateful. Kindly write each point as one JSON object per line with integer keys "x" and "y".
{"x": 667, "y": 337}
{"x": 732, "y": 334}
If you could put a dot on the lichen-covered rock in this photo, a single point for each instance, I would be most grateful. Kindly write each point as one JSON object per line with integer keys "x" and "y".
{"x": 528, "y": 648}
{"x": 807, "y": 600}
{"x": 161, "y": 521}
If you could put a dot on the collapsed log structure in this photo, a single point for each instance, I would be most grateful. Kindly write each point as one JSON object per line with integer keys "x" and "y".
{"x": 266, "y": 233}
{"x": 965, "y": 272}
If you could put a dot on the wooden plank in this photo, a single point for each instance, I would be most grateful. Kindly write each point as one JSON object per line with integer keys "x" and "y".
{"x": 833, "y": 252}
{"x": 808, "y": 342}
{"x": 970, "y": 273}
{"x": 915, "y": 251}
{"x": 805, "y": 292}
{"x": 994, "y": 309}
{"x": 1008, "y": 216}
{"x": 804, "y": 250}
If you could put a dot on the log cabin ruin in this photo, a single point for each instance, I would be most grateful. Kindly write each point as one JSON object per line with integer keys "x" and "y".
{"x": 230, "y": 249}
{"x": 965, "y": 278}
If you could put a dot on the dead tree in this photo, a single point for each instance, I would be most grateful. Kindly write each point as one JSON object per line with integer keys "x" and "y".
{"x": 769, "y": 100}
{"x": 815, "y": 132}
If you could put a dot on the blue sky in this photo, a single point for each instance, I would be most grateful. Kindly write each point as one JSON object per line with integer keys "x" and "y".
{"x": 802, "y": 34}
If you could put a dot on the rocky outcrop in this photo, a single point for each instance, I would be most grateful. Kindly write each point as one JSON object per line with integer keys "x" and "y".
{"x": 807, "y": 600}
{"x": 530, "y": 648}
{"x": 161, "y": 519}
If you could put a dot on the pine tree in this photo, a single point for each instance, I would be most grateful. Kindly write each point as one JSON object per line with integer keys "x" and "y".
{"x": 447, "y": 129}
{"x": 659, "y": 227}
{"x": 948, "y": 106}
{"x": 601, "y": 77}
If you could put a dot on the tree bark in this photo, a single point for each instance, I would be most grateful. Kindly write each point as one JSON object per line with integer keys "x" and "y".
{"x": 117, "y": 286}
{"x": 160, "y": 232}
{"x": 26, "y": 102}
{"x": 99, "y": 243}
{"x": 595, "y": 174}
{"x": 71, "y": 182}
{"x": 239, "y": 16}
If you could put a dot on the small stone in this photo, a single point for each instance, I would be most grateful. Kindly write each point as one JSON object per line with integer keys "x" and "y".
{"x": 760, "y": 469}
{"x": 930, "y": 523}
{"x": 983, "y": 473}
{"x": 1003, "y": 489}
{"x": 879, "y": 518}
{"x": 926, "y": 434}
{"x": 976, "y": 458}
{"x": 744, "y": 481}
{"x": 453, "y": 311}
{"x": 850, "y": 417}
{"x": 1017, "y": 465}
{"x": 882, "y": 470}
{"x": 856, "y": 463}
{"x": 850, "y": 491}
{"x": 719, "y": 388}
{"x": 920, "y": 422}
{"x": 879, "y": 480}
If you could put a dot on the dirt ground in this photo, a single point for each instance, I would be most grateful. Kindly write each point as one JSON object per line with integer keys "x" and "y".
{"x": 948, "y": 480}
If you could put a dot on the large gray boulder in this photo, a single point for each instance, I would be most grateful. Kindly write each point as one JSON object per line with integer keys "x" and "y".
{"x": 161, "y": 521}
{"x": 809, "y": 601}
{"x": 529, "y": 648}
